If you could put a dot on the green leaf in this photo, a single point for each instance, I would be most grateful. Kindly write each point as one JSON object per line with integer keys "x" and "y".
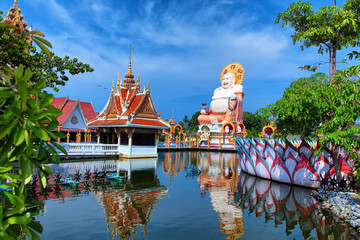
{"x": 43, "y": 48}
{"x": 37, "y": 32}
{"x": 44, "y": 41}
{"x": 13, "y": 211}
{"x": 42, "y": 178}
{"x": 7, "y": 25}
{"x": 40, "y": 133}
{"x": 20, "y": 135}
{"x": 58, "y": 146}
{"x": 13, "y": 199}
{"x": 6, "y": 92}
{"x": 36, "y": 226}
{"x": 17, "y": 220}
{"x": 25, "y": 168}
{"x": 4, "y": 130}
{"x": 46, "y": 169}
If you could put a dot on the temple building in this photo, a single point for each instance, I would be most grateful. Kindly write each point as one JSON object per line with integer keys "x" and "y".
{"x": 14, "y": 17}
{"x": 130, "y": 119}
{"x": 74, "y": 120}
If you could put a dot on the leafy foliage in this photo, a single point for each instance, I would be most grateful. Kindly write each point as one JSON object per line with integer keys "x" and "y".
{"x": 254, "y": 123}
{"x": 16, "y": 49}
{"x": 312, "y": 107}
{"x": 330, "y": 29}
{"x": 26, "y": 120}
{"x": 190, "y": 125}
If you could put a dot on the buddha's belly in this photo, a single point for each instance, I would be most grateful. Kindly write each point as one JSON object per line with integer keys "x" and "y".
{"x": 219, "y": 105}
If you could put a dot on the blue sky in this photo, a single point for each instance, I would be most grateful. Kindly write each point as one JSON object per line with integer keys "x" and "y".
{"x": 180, "y": 47}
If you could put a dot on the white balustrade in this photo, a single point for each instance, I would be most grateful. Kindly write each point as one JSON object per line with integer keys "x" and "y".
{"x": 89, "y": 149}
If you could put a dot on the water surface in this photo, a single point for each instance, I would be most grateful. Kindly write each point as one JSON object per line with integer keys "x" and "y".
{"x": 181, "y": 195}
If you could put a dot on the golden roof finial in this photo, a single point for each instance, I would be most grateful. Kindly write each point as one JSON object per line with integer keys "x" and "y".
{"x": 118, "y": 80}
{"x": 138, "y": 79}
{"x": 129, "y": 56}
{"x": 112, "y": 87}
{"x": 172, "y": 119}
{"x": 148, "y": 87}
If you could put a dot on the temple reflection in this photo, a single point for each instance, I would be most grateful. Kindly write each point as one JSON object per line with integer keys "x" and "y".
{"x": 128, "y": 202}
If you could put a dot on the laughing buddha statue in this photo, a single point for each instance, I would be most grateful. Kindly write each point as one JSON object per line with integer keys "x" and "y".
{"x": 226, "y": 104}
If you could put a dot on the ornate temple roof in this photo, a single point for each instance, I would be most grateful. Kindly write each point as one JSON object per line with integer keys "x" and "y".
{"x": 129, "y": 106}
{"x": 14, "y": 17}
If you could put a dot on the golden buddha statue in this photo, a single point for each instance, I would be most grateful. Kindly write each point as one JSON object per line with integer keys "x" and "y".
{"x": 226, "y": 104}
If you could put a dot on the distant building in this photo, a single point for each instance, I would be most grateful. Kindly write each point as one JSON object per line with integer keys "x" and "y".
{"x": 130, "y": 119}
{"x": 74, "y": 119}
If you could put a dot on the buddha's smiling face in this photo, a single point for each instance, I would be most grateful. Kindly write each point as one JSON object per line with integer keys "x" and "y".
{"x": 228, "y": 80}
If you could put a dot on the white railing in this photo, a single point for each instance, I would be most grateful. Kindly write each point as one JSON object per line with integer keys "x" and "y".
{"x": 89, "y": 148}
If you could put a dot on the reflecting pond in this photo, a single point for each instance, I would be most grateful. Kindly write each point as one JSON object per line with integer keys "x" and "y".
{"x": 179, "y": 195}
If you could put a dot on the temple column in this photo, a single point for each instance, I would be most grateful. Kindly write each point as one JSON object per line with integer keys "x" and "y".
{"x": 130, "y": 135}
{"x": 68, "y": 137}
{"x": 184, "y": 135}
{"x": 119, "y": 138}
{"x": 58, "y": 139}
{"x": 157, "y": 139}
{"x": 98, "y": 137}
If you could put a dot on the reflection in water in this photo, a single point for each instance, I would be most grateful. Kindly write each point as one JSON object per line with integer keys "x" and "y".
{"x": 129, "y": 203}
{"x": 288, "y": 204}
{"x": 217, "y": 175}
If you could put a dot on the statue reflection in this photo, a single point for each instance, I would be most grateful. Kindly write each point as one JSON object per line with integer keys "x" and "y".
{"x": 219, "y": 178}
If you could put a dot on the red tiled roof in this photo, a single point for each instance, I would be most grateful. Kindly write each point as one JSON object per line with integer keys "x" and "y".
{"x": 109, "y": 122}
{"x": 59, "y": 102}
{"x": 127, "y": 94}
{"x": 88, "y": 111}
{"x": 118, "y": 104}
{"x": 147, "y": 122}
{"x": 134, "y": 104}
{"x": 74, "y": 130}
{"x": 67, "y": 109}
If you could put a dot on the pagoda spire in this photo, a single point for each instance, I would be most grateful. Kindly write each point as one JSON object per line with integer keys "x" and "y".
{"x": 14, "y": 17}
{"x": 129, "y": 57}
{"x": 129, "y": 76}
{"x": 118, "y": 80}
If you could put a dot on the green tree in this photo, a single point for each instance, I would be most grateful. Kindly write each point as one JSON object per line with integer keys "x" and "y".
{"x": 16, "y": 50}
{"x": 254, "y": 123}
{"x": 319, "y": 105}
{"x": 312, "y": 107}
{"x": 26, "y": 120}
{"x": 331, "y": 28}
